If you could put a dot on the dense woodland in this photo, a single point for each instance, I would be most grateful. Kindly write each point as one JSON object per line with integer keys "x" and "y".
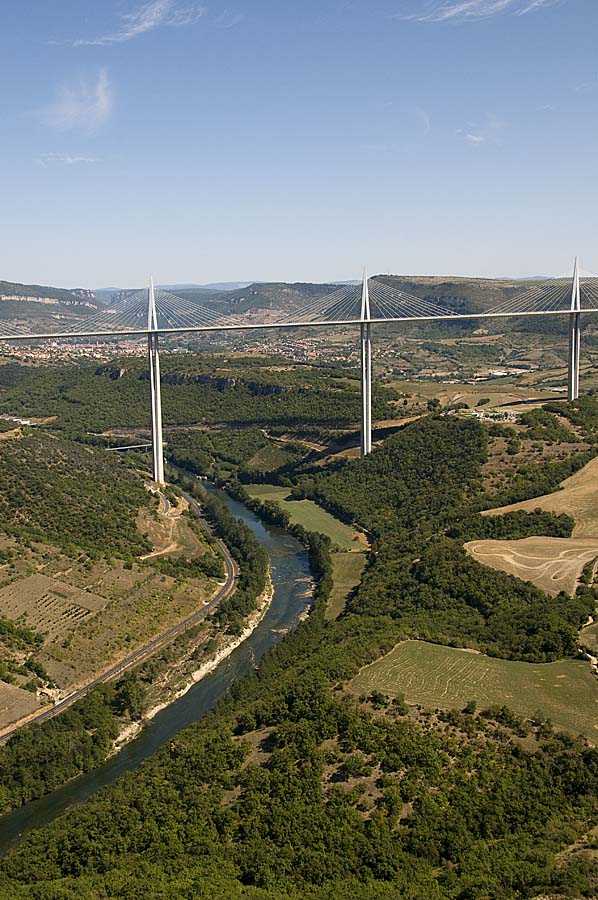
{"x": 47, "y": 486}
{"x": 295, "y": 789}
{"x": 193, "y": 391}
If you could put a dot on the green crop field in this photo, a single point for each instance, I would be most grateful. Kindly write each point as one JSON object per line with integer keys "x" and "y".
{"x": 347, "y": 569}
{"x": 440, "y": 677}
{"x": 310, "y": 515}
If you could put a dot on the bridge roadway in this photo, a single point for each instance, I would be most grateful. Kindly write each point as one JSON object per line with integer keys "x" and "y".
{"x": 143, "y": 653}
{"x": 222, "y": 325}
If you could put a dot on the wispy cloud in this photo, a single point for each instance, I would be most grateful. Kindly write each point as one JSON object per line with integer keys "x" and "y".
{"x": 85, "y": 104}
{"x": 65, "y": 159}
{"x": 147, "y": 17}
{"x": 587, "y": 87}
{"x": 487, "y": 132}
{"x": 424, "y": 119}
{"x": 463, "y": 10}
{"x": 229, "y": 19}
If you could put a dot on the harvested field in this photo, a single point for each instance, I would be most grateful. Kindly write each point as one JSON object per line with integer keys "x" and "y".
{"x": 311, "y": 516}
{"x": 445, "y": 678}
{"x": 578, "y": 497}
{"x": 48, "y": 606}
{"x": 16, "y": 704}
{"x": 347, "y": 569}
{"x": 552, "y": 564}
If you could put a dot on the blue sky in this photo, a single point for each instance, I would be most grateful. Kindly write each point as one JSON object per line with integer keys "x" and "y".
{"x": 296, "y": 141}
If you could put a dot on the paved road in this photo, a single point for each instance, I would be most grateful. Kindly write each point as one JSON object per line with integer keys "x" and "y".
{"x": 144, "y": 652}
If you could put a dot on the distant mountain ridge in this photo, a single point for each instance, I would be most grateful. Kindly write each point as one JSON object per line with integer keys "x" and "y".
{"x": 37, "y": 293}
{"x": 269, "y": 299}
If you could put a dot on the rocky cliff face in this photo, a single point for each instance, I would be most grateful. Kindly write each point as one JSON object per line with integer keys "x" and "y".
{"x": 219, "y": 382}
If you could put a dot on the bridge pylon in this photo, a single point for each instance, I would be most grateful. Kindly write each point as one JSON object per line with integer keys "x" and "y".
{"x": 156, "y": 398}
{"x": 574, "y": 337}
{"x": 366, "y": 369}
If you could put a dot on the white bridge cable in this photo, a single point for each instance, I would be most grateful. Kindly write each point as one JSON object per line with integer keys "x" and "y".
{"x": 549, "y": 296}
{"x": 7, "y": 329}
{"x": 340, "y": 305}
{"x": 588, "y": 288}
{"x": 130, "y": 313}
{"x": 179, "y": 312}
{"x": 393, "y": 303}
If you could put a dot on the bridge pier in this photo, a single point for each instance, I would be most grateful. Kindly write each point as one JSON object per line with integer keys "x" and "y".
{"x": 366, "y": 389}
{"x": 574, "y": 338}
{"x": 366, "y": 370}
{"x": 574, "y": 356}
{"x": 155, "y": 389}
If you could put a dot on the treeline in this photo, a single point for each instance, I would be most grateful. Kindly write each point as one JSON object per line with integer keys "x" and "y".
{"x": 536, "y": 479}
{"x": 318, "y": 545}
{"x": 40, "y": 758}
{"x": 58, "y": 492}
{"x": 245, "y": 549}
{"x": 543, "y": 425}
{"x": 512, "y": 526}
{"x": 420, "y": 475}
{"x": 583, "y": 413}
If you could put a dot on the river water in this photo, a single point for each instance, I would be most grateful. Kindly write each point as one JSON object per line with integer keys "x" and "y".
{"x": 291, "y": 579}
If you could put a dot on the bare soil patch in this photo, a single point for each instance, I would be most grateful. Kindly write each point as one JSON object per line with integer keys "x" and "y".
{"x": 16, "y": 704}
{"x": 552, "y": 564}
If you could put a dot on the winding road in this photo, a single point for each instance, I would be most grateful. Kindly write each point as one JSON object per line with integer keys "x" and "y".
{"x": 157, "y": 643}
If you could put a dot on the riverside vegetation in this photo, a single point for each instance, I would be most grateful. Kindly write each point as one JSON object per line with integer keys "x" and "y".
{"x": 294, "y": 788}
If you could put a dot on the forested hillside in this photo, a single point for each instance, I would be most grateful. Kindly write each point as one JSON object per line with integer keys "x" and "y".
{"x": 412, "y": 495}
{"x": 194, "y": 390}
{"x": 295, "y": 789}
{"x": 46, "y": 494}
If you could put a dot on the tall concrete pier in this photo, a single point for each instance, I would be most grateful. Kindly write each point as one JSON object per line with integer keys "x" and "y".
{"x": 574, "y": 337}
{"x": 156, "y": 399}
{"x": 366, "y": 370}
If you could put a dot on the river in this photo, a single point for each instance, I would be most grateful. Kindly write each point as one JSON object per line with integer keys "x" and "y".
{"x": 290, "y": 572}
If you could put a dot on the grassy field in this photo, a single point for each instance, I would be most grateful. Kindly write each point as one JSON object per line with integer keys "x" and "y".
{"x": 347, "y": 569}
{"x": 441, "y": 677}
{"x": 311, "y": 516}
{"x": 578, "y": 497}
{"x": 499, "y": 392}
{"x": 552, "y": 564}
{"x": 270, "y": 457}
{"x": 589, "y": 637}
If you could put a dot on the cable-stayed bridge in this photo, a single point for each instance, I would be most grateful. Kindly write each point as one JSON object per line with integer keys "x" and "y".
{"x": 154, "y": 312}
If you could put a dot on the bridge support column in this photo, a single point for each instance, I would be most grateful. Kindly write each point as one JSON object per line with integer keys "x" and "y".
{"x": 156, "y": 409}
{"x": 574, "y": 357}
{"x": 366, "y": 389}
{"x": 366, "y": 371}
{"x": 574, "y": 338}
{"x": 153, "y": 354}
